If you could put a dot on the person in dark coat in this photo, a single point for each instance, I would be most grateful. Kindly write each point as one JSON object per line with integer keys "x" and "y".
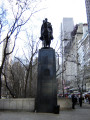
{"x": 73, "y": 101}
{"x": 80, "y": 100}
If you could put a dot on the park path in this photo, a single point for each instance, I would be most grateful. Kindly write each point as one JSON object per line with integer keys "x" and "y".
{"x": 75, "y": 114}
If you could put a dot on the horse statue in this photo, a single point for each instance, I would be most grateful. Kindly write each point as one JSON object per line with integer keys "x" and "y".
{"x": 46, "y": 33}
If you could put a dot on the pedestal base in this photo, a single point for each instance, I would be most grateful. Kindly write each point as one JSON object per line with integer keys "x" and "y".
{"x": 46, "y": 100}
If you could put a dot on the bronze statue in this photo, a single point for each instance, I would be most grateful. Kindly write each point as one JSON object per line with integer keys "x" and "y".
{"x": 46, "y": 33}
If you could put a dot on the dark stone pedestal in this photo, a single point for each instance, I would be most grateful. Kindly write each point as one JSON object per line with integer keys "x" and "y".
{"x": 46, "y": 100}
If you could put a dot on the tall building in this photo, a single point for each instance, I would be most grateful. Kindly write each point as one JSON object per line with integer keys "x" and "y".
{"x": 67, "y": 27}
{"x": 75, "y": 57}
{"x": 87, "y": 55}
{"x": 84, "y": 60}
{"x": 87, "y": 2}
{"x": 69, "y": 68}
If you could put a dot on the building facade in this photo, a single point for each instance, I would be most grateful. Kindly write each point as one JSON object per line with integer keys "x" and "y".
{"x": 84, "y": 60}
{"x": 67, "y": 27}
{"x": 76, "y": 60}
{"x": 69, "y": 67}
{"x": 87, "y": 3}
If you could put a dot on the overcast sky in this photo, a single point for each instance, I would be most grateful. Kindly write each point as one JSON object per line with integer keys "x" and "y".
{"x": 57, "y": 9}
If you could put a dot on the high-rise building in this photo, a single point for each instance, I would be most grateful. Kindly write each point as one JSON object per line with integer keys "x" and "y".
{"x": 87, "y": 2}
{"x": 84, "y": 60}
{"x": 75, "y": 56}
{"x": 69, "y": 68}
{"x": 87, "y": 60}
{"x": 67, "y": 27}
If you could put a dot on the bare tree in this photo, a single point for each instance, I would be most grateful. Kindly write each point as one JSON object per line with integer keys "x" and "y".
{"x": 20, "y": 8}
{"x": 14, "y": 81}
{"x": 30, "y": 65}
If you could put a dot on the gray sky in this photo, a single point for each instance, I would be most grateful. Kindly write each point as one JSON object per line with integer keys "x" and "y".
{"x": 55, "y": 10}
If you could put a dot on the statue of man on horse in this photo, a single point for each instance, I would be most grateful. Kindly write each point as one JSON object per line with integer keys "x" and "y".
{"x": 46, "y": 33}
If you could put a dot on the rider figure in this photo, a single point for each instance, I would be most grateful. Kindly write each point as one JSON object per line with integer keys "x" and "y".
{"x": 46, "y": 30}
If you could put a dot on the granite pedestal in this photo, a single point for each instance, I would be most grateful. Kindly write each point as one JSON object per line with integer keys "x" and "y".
{"x": 46, "y": 100}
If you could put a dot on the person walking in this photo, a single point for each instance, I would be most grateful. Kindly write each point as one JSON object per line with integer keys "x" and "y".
{"x": 80, "y": 100}
{"x": 73, "y": 101}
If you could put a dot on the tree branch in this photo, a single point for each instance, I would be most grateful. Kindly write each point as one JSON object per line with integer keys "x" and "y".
{"x": 11, "y": 93}
{"x": 21, "y": 62}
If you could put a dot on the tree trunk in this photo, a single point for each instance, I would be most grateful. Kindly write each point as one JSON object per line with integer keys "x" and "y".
{"x": 0, "y": 81}
{"x": 30, "y": 82}
{"x": 1, "y": 68}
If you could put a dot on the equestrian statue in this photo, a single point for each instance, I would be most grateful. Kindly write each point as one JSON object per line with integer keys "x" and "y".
{"x": 46, "y": 33}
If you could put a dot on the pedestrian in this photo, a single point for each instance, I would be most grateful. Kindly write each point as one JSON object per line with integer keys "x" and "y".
{"x": 89, "y": 99}
{"x": 73, "y": 101}
{"x": 80, "y": 100}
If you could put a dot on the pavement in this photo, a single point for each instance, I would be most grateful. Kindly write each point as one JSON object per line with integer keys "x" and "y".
{"x": 79, "y": 113}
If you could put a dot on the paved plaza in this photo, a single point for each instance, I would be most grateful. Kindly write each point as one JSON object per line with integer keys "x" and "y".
{"x": 73, "y": 114}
